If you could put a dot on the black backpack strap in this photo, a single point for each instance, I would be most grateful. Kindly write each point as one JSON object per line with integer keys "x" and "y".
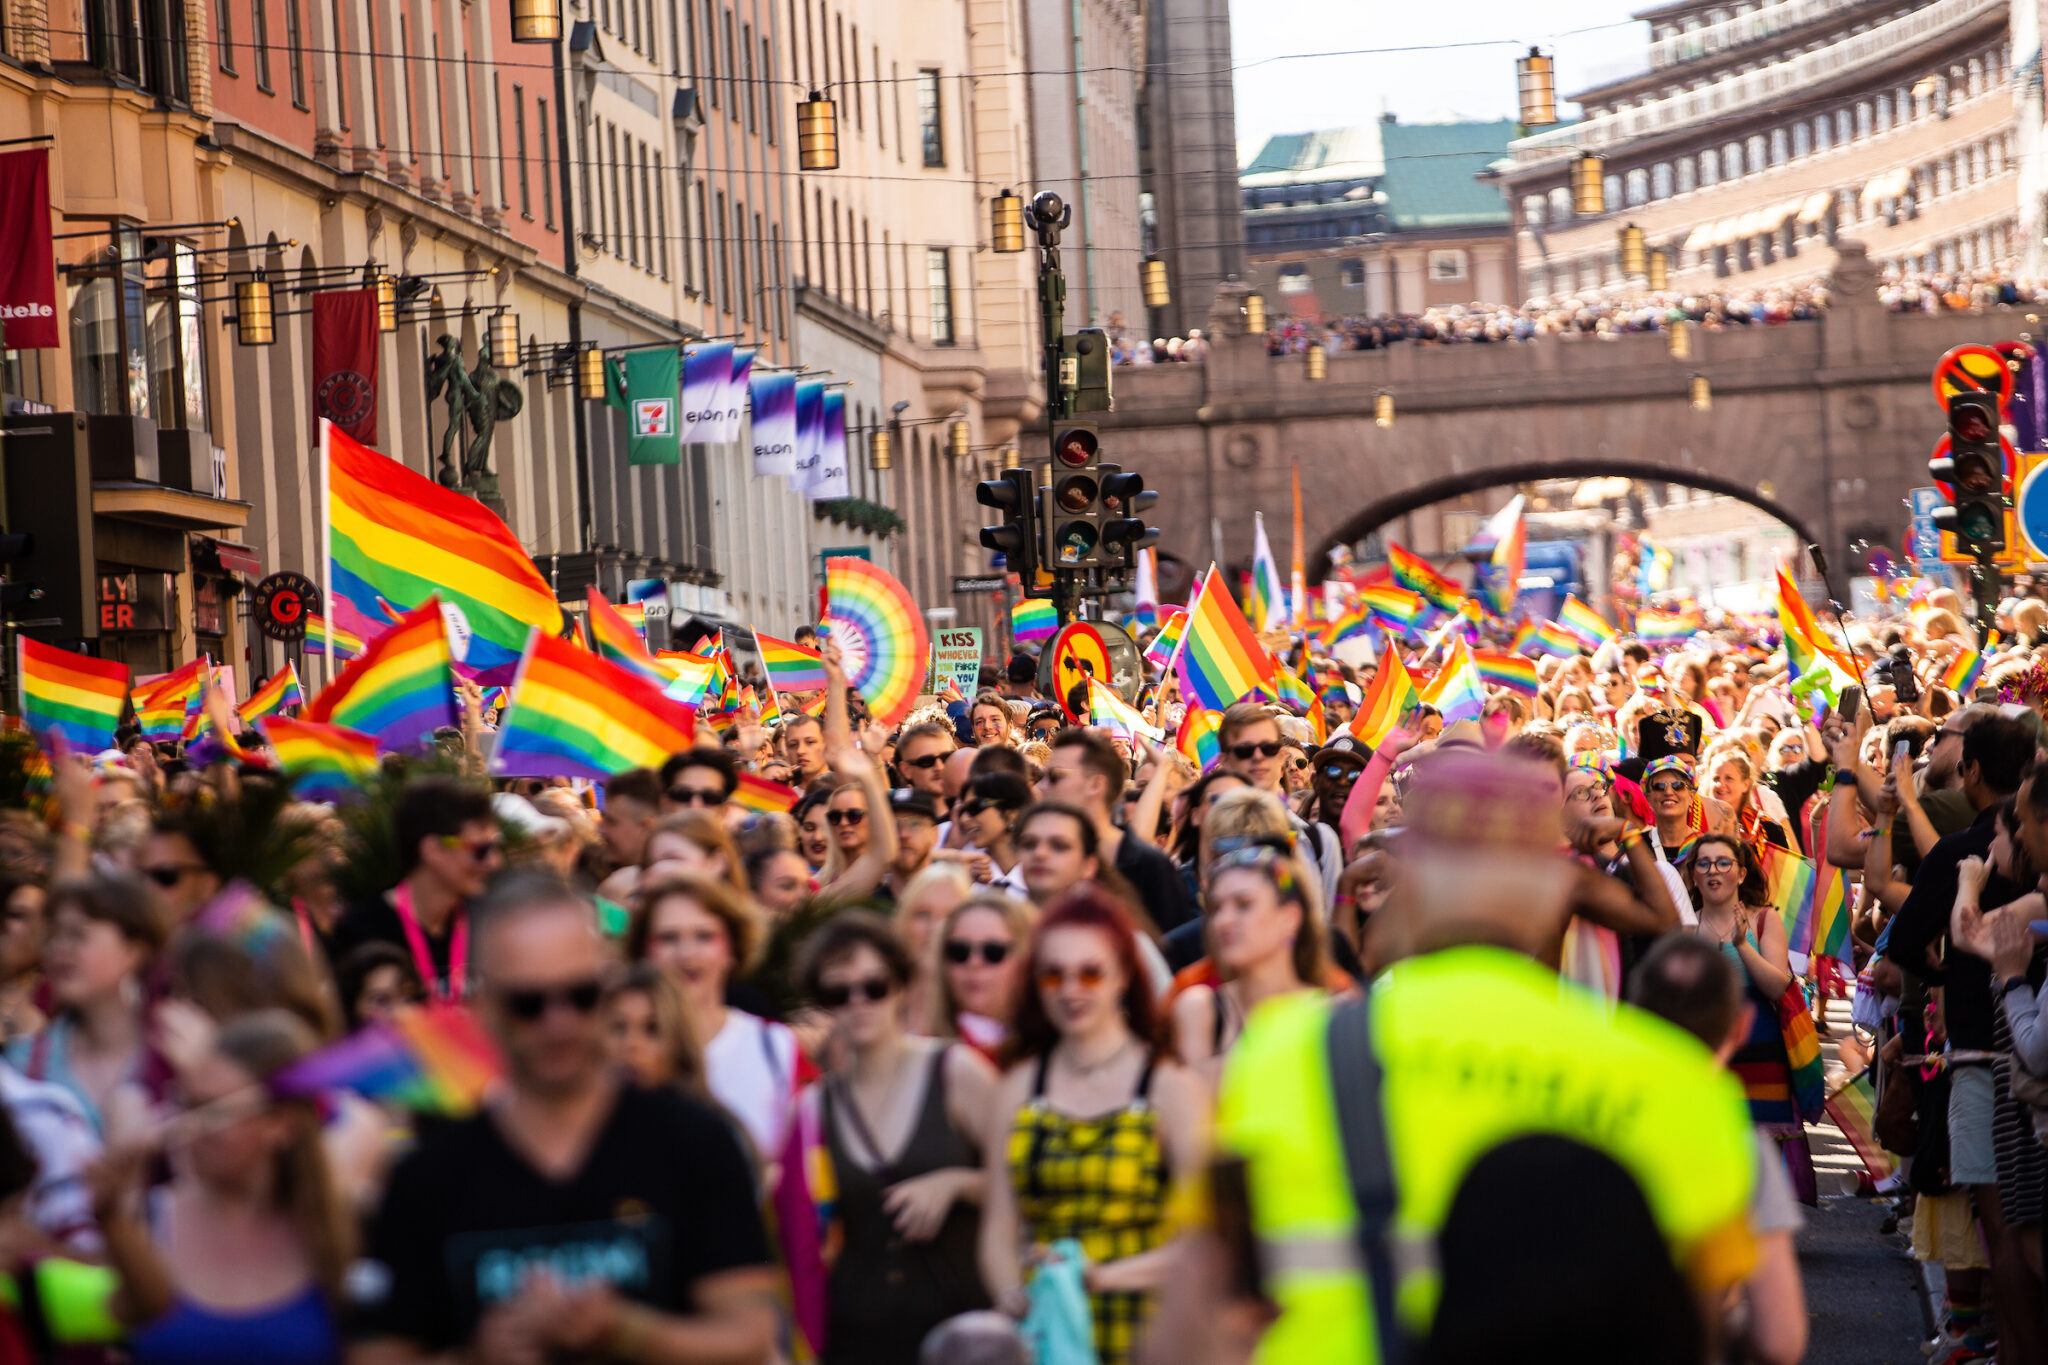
{"x": 1355, "y": 1087}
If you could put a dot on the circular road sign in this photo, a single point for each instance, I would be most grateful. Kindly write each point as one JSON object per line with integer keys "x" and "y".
{"x": 1972, "y": 369}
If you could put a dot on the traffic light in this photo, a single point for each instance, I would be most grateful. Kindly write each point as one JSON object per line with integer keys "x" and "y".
{"x": 1075, "y": 515}
{"x": 1125, "y": 500}
{"x": 1015, "y": 495}
{"x": 1972, "y": 468}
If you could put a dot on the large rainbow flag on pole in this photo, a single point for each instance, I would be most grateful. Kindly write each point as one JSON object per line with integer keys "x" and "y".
{"x": 1807, "y": 646}
{"x": 1266, "y": 607}
{"x": 573, "y": 714}
{"x": 1221, "y": 659}
{"x": 612, "y": 637}
{"x": 1418, "y": 575}
{"x": 401, "y": 690}
{"x": 75, "y": 696}
{"x": 396, "y": 539}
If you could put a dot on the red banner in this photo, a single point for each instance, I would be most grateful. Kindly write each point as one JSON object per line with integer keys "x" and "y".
{"x": 28, "y": 272}
{"x": 345, "y": 361}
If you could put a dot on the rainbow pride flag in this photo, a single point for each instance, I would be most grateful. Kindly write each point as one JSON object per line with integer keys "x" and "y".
{"x": 402, "y": 688}
{"x": 1831, "y": 915}
{"x": 1654, "y": 627}
{"x": 160, "y": 705}
{"x": 1397, "y": 610}
{"x": 75, "y": 697}
{"x": 1585, "y": 623}
{"x": 1525, "y": 636}
{"x": 322, "y": 762}
{"x": 1510, "y": 557}
{"x": 1806, "y": 645}
{"x": 1509, "y": 671}
{"x": 1355, "y": 619}
{"x": 1552, "y": 638}
{"x": 1456, "y": 691}
{"x": 324, "y": 637}
{"x": 693, "y": 679}
{"x": 612, "y": 637}
{"x": 757, "y": 793}
{"x": 279, "y": 690}
{"x": 1853, "y": 1107}
{"x": 435, "y": 1060}
{"x": 1034, "y": 618}
{"x": 1163, "y": 644}
{"x": 575, "y": 715}
{"x": 790, "y": 668}
{"x": 1111, "y": 712}
{"x": 1220, "y": 659}
{"x": 1389, "y": 700}
{"x": 1201, "y": 737}
{"x": 1418, "y": 575}
{"x": 1266, "y": 602}
{"x": 399, "y": 538}
{"x": 1960, "y": 677}
{"x": 1790, "y": 879}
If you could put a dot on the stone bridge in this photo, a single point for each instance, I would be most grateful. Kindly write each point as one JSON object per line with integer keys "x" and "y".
{"x": 1823, "y": 424}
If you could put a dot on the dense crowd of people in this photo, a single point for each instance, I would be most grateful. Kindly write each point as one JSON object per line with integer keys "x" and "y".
{"x": 1018, "y": 1037}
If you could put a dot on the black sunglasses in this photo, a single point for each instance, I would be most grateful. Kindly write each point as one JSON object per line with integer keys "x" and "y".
{"x": 1337, "y": 772}
{"x": 976, "y": 805}
{"x": 960, "y": 951}
{"x": 837, "y": 995}
{"x": 927, "y": 761}
{"x": 168, "y": 877}
{"x": 696, "y": 796}
{"x": 845, "y": 817}
{"x": 1243, "y": 752}
{"x": 528, "y": 1005}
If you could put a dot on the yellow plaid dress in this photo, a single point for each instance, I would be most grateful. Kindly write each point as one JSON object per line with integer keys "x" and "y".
{"x": 1101, "y": 1181}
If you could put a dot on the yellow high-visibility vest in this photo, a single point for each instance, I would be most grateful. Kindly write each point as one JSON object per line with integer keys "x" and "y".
{"x": 1477, "y": 1046}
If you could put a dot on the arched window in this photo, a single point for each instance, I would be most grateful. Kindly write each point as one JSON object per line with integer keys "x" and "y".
{"x": 1660, "y": 180}
{"x": 1637, "y": 189}
{"x": 1757, "y": 157}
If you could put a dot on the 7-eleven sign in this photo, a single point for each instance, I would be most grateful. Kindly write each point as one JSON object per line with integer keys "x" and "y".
{"x": 654, "y": 417}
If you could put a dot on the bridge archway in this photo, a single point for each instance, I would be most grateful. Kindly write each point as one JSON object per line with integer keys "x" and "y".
{"x": 1381, "y": 511}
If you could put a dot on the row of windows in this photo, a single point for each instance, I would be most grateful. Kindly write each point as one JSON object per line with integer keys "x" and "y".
{"x": 1972, "y": 251}
{"x": 259, "y": 44}
{"x": 1765, "y": 150}
{"x": 543, "y": 132}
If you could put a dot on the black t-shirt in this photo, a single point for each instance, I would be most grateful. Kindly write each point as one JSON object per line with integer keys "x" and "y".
{"x": 664, "y": 1199}
{"x": 374, "y": 921}
{"x": 1156, "y": 879}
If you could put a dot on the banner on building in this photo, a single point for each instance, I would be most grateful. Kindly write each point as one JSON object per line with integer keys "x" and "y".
{"x": 28, "y": 270}
{"x": 731, "y": 418}
{"x": 644, "y": 383}
{"x": 773, "y": 399}
{"x": 810, "y": 428}
{"x": 707, "y": 374}
{"x": 829, "y": 477}
{"x": 345, "y": 362}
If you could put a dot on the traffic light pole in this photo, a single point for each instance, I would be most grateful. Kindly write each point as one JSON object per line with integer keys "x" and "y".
{"x": 1048, "y": 216}
{"x": 1984, "y": 585}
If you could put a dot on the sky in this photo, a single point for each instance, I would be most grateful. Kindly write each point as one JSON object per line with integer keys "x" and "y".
{"x": 1279, "y": 90}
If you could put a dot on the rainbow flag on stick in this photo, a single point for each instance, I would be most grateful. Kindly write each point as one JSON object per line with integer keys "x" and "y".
{"x": 1807, "y": 646}
{"x": 693, "y": 679}
{"x": 1397, "y": 610}
{"x": 1960, "y": 677}
{"x": 1266, "y": 603}
{"x": 1654, "y": 627}
{"x": 322, "y": 762}
{"x": 1200, "y": 737}
{"x": 1220, "y": 659}
{"x": 1552, "y": 638}
{"x": 1034, "y": 618}
{"x": 396, "y": 536}
{"x": 1418, "y": 575}
{"x": 435, "y": 1060}
{"x": 324, "y": 637}
{"x": 1510, "y": 535}
{"x": 1356, "y": 619}
{"x": 279, "y": 690}
{"x": 1790, "y": 879}
{"x": 757, "y": 793}
{"x": 75, "y": 696}
{"x": 1111, "y": 712}
{"x": 1456, "y": 691}
{"x": 613, "y": 637}
{"x": 1831, "y": 915}
{"x": 790, "y": 668}
{"x": 160, "y": 705}
{"x": 1389, "y": 700}
{"x": 1853, "y": 1107}
{"x": 1163, "y": 644}
{"x": 1508, "y": 671}
{"x": 573, "y": 714}
{"x": 1585, "y": 623}
{"x": 401, "y": 690}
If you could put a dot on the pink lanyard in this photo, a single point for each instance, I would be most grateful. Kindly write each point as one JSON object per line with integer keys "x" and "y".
{"x": 416, "y": 939}
{"x": 305, "y": 920}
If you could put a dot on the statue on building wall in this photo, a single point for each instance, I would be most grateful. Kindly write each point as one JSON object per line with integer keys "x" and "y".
{"x": 477, "y": 401}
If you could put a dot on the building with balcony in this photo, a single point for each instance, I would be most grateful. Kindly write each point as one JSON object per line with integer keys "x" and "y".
{"x": 1758, "y": 131}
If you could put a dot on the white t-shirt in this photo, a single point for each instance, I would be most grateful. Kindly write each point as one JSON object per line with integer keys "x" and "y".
{"x": 751, "y": 1067}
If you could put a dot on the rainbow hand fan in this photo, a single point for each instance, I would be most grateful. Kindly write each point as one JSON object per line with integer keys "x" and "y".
{"x": 880, "y": 633}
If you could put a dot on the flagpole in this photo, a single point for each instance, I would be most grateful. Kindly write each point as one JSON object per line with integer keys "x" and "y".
{"x": 1298, "y": 574}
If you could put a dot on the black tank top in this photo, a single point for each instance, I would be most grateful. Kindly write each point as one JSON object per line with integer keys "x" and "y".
{"x": 887, "y": 1294}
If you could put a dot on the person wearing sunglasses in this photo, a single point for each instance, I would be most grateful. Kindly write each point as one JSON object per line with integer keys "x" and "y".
{"x": 1266, "y": 937}
{"x": 703, "y": 778}
{"x": 1733, "y": 901}
{"x": 1094, "y": 1125}
{"x": 1254, "y": 749}
{"x": 861, "y": 849}
{"x": 171, "y": 858}
{"x": 645, "y": 1192}
{"x": 449, "y": 848}
{"x": 1088, "y": 774}
{"x": 986, "y": 817}
{"x": 705, "y": 935}
{"x": 980, "y": 953}
{"x": 1334, "y": 770}
{"x": 1673, "y": 794}
{"x": 921, "y": 758}
{"x": 905, "y": 1123}
{"x": 245, "y": 1250}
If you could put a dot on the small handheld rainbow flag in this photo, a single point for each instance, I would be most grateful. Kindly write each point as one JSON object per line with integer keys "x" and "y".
{"x": 402, "y": 688}
{"x": 1398, "y": 610}
{"x": 1790, "y": 879}
{"x": 1853, "y": 1107}
{"x": 1111, "y": 712}
{"x": 1552, "y": 638}
{"x": 1200, "y": 737}
{"x": 1355, "y": 619}
{"x": 1220, "y": 659}
{"x": 1456, "y": 691}
{"x": 613, "y": 637}
{"x": 1390, "y": 698}
{"x": 1418, "y": 575}
{"x": 160, "y": 705}
{"x": 279, "y": 690}
{"x": 1508, "y": 671}
{"x": 757, "y": 793}
{"x": 324, "y": 637}
{"x": 693, "y": 679}
{"x": 74, "y": 696}
{"x": 322, "y": 762}
{"x": 1525, "y": 636}
{"x": 1654, "y": 627}
{"x": 1266, "y": 603}
{"x": 1034, "y": 618}
{"x": 433, "y": 1060}
{"x": 1510, "y": 535}
{"x": 576, "y": 715}
{"x": 1583, "y": 622}
{"x": 790, "y": 668}
{"x": 1162, "y": 646}
{"x": 493, "y": 698}
{"x": 1960, "y": 677}
{"x": 1831, "y": 915}
{"x": 1806, "y": 645}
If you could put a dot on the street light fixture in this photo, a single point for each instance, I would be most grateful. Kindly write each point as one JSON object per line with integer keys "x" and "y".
{"x": 1318, "y": 363}
{"x": 1660, "y": 270}
{"x": 1157, "y": 293}
{"x": 1006, "y": 222}
{"x": 590, "y": 378}
{"x": 1589, "y": 189}
{"x": 1634, "y": 259}
{"x": 1011, "y": 459}
{"x": 1536, "y": 81}
{"x": 536, "y": 21}
{"x": 1702, "y": 393}
{"x": 255, "y": 323}
{"x": 879, "y": 454}
{"x": 1678, "y": 339}
{"x": 817, "y": 134}
{"x": 1254, "y": 314}
{"x": 959, "y": 439}
{"x": 387, "y": 302}
{"x": 1383, "y": 410}
{"x": 504, "y": 337}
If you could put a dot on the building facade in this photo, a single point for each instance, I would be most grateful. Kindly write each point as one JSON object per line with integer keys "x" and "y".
{"x": 1188, "y": 204}
{"x": 1758, "y": 132}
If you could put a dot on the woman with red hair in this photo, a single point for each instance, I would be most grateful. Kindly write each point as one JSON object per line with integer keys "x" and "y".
{"x": 1097, "y": 1123}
